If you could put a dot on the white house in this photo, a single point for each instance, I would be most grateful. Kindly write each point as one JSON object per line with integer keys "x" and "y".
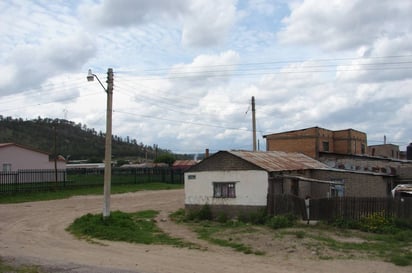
{"x": 15, "y": 157}
{"x": 235, "y": 181}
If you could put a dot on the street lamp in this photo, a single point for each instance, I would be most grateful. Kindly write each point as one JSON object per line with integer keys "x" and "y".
{"x": 108, "y": 145}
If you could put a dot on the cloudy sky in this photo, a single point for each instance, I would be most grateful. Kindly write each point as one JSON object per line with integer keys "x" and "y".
{"x": 185, "y": 70}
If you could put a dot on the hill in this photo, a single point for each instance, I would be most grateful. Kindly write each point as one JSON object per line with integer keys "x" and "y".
{"x": 72, "y": 140}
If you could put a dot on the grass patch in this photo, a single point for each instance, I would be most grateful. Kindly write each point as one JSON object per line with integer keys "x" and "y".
{"x": 323, "y": 240}
{"x": 95, "y": 190}
{"x": 394, "y": 248}
{"x": 138, "y": 227}
{"x": 216, "y": 233}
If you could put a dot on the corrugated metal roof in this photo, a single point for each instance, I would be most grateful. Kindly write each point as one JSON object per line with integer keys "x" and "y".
{"x": 185, "y": 162}
{"x": 274, "y": 161}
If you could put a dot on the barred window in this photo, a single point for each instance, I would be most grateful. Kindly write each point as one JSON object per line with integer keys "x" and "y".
{"x": 224, "y": 189}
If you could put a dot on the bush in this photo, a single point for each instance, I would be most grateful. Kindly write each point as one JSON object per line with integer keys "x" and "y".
{"x": 377, "y": 223}
{"x": 281, "y": 221}
{"x": 222, "y": 217}
{"x": 257, "y": 217}
{"x": 205, "y": 213}
{"x": 346, "y": 224}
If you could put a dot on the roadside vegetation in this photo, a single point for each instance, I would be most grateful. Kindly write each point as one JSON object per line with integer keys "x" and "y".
{"x": 138, "y": 227}
{"x": 373, "y": 237}
{"x": 96, "y": 190}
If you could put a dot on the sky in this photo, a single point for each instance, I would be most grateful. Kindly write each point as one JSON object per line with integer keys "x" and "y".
{"x": 185, "y": 70}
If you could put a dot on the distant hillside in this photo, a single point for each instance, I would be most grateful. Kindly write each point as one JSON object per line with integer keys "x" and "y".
{"x": 70, "y": 138}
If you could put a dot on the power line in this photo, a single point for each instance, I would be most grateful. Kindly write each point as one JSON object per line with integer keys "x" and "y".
{"x": 272, "y": 62}
{"x": 183, "y": 122}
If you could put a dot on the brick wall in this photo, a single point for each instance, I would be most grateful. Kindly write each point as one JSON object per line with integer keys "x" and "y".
{"x": 385, "y": 150}
{"x": 350, "y": 142}
{"x": 356, "y": 184}
{"x": 313, "y": 140}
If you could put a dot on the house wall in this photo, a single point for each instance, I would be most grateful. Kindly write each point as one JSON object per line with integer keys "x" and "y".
{"x": 356, "y": 184}
{"x": 21, "y": 158}
{"x": 251, "y": 190}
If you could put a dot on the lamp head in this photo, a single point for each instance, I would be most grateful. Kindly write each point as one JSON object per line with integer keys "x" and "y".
{"x": 90, "y": 76}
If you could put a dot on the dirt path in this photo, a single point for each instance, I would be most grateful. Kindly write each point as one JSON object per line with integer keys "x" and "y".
{"x": 35, "y": 233}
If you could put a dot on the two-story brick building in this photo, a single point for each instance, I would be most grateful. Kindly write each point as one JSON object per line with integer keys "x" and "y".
{"x": 312, "y": 141}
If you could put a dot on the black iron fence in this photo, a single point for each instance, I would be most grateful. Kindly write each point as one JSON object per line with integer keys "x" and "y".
{"x": 347, "y": 208}
{"x": 46, "y": 180}
{"x": 32, "y": 180}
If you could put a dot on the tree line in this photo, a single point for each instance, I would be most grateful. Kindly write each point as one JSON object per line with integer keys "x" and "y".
{"x": 74, "y": 141}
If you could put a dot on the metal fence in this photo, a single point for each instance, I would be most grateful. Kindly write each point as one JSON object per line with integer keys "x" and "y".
{"x": 32, "y": 180}
{"x": 46, "y": 180}
{"x": 347, "y": 208}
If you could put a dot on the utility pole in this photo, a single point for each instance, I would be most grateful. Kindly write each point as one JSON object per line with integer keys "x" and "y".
{"x": 108, "y": 146}
{"x": 254, "y": 123}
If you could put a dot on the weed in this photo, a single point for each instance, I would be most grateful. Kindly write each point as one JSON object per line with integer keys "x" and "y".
{"x": 280, "y": 221}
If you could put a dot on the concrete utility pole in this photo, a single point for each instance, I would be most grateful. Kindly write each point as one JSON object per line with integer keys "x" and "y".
{"x": 254, "y": 123}
{"x": 108, "y": 144}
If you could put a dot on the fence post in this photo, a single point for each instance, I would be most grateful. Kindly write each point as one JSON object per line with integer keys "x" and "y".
{"x": 307, "y": 205}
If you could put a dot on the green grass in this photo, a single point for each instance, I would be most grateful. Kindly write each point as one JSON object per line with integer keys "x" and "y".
{"x": 212, "y": 231}
{"x": 394, "y": 248}
{"x": 328, "y": 242}
{"x": 209, "y": 231}
{"x": 138, "y": 227}
{"x": 97, "y": 190}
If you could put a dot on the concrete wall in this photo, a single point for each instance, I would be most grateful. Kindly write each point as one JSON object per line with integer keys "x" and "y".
{"x": 251, "y": 188}
{"x": 21, "y": 158}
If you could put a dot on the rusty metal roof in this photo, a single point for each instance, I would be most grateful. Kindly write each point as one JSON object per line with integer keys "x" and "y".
{"x": 185, "y": 162}
{"x": 274, "y": 161}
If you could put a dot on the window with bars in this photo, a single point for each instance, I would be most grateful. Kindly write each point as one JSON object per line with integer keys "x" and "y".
{"x": 224, "y": 189}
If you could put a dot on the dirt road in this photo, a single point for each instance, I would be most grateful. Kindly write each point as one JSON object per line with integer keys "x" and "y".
{"x": 35, "y": 233}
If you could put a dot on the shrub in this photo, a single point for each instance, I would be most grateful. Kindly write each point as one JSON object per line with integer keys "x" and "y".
{"x": 280, "y": 221}
{"x": 222, "y": 217}
{"x": 258, "y": 217}
{"x": 204, "y": 213}
{"x": 377, "y": 223}
{"x": 344, "y": 223}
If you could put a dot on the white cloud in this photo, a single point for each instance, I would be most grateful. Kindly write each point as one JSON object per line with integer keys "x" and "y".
{"x": 203, "y": 22}
{"x": 36, "y": 63}
{"x": 343, "y": 25}
{"x": 185, "y": 70}
{"x": 208, "y": 22}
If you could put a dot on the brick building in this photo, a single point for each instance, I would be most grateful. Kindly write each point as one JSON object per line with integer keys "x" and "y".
{"x": 311, "y": 141}
{"x": 384, "y": 150}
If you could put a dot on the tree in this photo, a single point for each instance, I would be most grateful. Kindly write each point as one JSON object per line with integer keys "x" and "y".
{"x": 165, "y": 158}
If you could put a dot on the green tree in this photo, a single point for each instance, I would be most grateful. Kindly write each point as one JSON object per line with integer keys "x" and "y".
{"x": 165, "y": 158}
